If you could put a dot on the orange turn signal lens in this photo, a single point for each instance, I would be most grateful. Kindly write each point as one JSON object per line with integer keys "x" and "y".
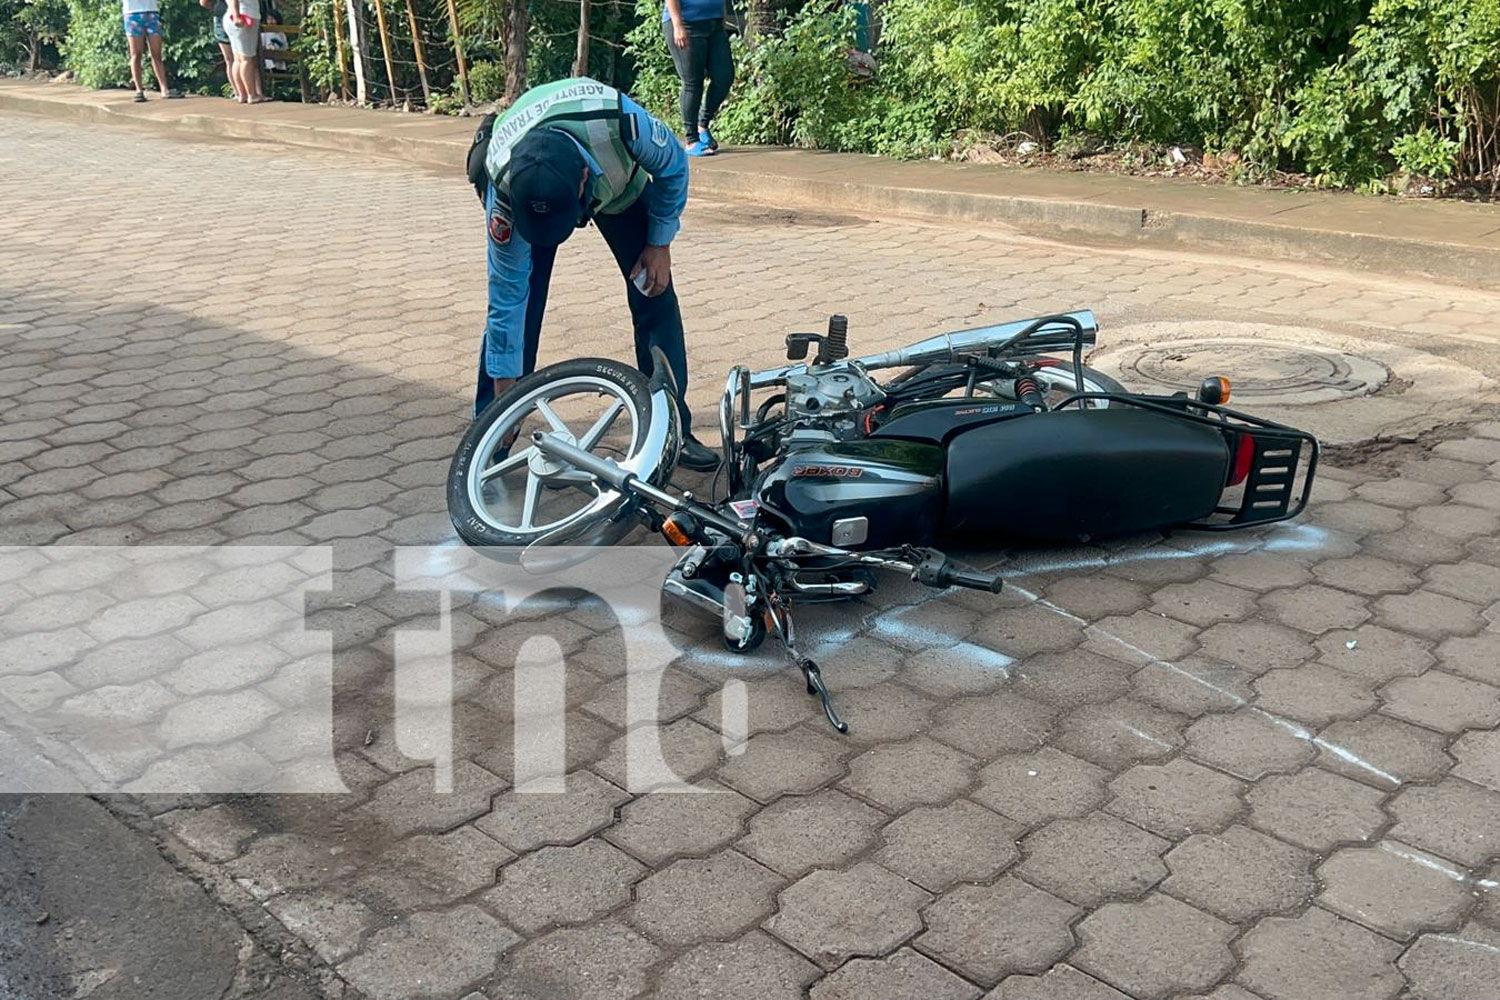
{"x": 1214, "y": 390}
{"x": 674, "y": 533}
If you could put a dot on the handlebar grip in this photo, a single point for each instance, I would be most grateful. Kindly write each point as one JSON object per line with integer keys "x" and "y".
{"x": 601, "y": 468}
{"x": 973, "y": 579}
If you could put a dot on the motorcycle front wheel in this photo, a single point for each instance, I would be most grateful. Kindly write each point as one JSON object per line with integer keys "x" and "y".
{"x": 502, "y": 491}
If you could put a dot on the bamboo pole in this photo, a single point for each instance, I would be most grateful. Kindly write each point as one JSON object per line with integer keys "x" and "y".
{"x": 416, "y": 44}
{"x": 458, "y": 50}
{"x": 358, "y": 43}
{"x": 581, "y": 57}
{"x": 338, "y": 37}
{"x": 385, "y": 49}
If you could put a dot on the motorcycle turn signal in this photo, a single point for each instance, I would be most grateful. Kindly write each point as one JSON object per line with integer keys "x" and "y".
{"x": 680, "y": 529}
{"x": 1214, "y": 391}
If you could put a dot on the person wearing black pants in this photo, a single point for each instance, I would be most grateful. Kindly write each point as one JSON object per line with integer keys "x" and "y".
{"x": 699, "y": 44}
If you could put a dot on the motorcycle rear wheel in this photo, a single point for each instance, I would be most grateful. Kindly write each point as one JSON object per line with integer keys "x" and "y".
{"x": 509, "y": 494}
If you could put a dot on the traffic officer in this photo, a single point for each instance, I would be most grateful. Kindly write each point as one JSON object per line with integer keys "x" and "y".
{"x": 563, "y": 155}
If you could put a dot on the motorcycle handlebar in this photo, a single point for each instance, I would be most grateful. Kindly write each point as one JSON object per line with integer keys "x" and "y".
{"x": 973, "y": 579}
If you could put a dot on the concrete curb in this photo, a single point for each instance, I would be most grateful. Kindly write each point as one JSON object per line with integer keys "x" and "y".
{"x": 1078, "y": 219}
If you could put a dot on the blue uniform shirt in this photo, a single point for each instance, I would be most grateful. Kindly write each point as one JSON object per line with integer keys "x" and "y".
{"x": 659, "y": 153}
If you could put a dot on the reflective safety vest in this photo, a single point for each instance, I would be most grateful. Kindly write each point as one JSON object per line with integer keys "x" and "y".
{"x": 590, "y": 112}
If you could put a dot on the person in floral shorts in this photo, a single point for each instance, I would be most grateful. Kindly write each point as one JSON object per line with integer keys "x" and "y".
{"x": 143, "y": 31}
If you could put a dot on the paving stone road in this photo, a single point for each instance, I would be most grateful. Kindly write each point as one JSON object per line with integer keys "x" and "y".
{"x": 1265, "y": 766}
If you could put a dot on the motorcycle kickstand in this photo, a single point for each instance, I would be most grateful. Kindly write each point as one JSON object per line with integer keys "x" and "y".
{"x": 781, "y": 616}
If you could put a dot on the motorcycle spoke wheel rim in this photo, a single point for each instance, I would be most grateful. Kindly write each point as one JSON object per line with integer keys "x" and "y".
{"x": 523, "y": 493}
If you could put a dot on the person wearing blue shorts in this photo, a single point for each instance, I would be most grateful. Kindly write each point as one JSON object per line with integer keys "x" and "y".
{"x": 142, "y": 32}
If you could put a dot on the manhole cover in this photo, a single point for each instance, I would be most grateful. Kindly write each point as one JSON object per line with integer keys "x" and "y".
{"x": 1263, "y": 370}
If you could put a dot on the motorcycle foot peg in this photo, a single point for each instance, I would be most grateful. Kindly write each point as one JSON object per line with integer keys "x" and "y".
{"x": 816, "y": 686}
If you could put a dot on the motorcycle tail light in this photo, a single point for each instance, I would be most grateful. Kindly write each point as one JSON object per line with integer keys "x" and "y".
{"x": 676, "y": 531}
{"x": 1244, "y": 458}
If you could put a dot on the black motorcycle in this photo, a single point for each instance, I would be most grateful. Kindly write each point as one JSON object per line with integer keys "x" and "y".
{"x": 986, "y": 438}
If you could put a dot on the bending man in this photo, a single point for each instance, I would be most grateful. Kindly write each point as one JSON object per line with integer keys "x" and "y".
{"x": 564, "y": 155}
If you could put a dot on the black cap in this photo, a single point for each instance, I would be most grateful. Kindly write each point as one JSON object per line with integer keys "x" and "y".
{"x": 546, "y": 168}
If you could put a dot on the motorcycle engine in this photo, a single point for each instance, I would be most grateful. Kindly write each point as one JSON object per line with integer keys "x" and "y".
{"x": 831, "y": 397}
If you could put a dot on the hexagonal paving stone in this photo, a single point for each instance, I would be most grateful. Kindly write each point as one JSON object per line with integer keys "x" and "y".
{"x": 1155, "y": 946}
{"x": 656, "y": 828}
{"x": 1088, "y": 860}
{"x": 1390, "y": 889}
{"x": 990, "y": 725}
{"x": 1192, "y": 687}
{"x": 1475, "y": 582}
{"x": 1316, "y": 609}
{"x": 1021, "y": 631}
{"x": 1239, "y": 874}
{"x": 1120, "y": 733}
{"x": 1037, "y": 787}
{"x": 1314, "y": 694}
{"x": 897, "y": 977}
{"x": 428, "y": 871}
{"x": 1464, "y": 964}
{"x": 776, "y": 764}
{"x": 524, "y": 821}
{"x": 689, "y": 748}
{"x": 1453, "y": 818}
{"x": 756, "y": 965}
{"x": 1142, "y": 637}
{"x": 429, "y": 955}
{"x": 563, "y": 885}
{"x": 1382, "y": 751}
{"x": 935, "y": 847}
{"x": 1475, "y": 657}
{"x": 1315, "y": 809}
{"x": 1358, "y": 517}
{"x": 603, "y": 961}
{"x": 1247, "y": 743}
{"x": 1478, "y": 756}
{"x": 1442, "y": 701}
{"x": 704, "y": 899}
{"x": 1203, "y": 603}
{"x": 918, "y": 772}
{"x": 989, "y": 932}
{"x": 408, "y": 804}
{"x": 1316, "y": 956}
{"x": 1094, "y": 597}
{"x": 1256, "y": 646}
{"x": 1374, "y": 653}
{"x": 1366, "y": 575}
{"x": 1259, "y": 571}
{"x": 798, "y": 833}
{"x": 1428, "y": 614}
{"x": 1070, "y": 678}
{"x": 833, "y": 916}
{"x": 1176, "y": 798}
{"x": 329, "y": 921}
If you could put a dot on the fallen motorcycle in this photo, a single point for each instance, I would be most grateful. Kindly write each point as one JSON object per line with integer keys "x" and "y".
{"x": 987, "y": 437}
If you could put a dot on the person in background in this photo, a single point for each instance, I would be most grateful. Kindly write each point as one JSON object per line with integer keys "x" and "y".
{"x": 700, "y": 49}
{"x": 219, "y": 8}
{"x": 143, "y": 31}
{"x": 242, "y": 25}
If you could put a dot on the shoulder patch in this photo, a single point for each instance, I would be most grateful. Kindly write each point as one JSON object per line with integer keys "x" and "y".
{"x": 500, "y": 226}
{"x": 659, "y": 133}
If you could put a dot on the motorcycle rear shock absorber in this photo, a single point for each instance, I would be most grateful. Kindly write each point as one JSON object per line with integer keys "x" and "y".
{"x": 1029, "y": 392}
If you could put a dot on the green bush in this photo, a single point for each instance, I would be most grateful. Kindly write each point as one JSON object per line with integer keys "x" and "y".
{"x": 30, "y": 31}
{"x": 95, "y": 46}
{"x": 486, "y": 82}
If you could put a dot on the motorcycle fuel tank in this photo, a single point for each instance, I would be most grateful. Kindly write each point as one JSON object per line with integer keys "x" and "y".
{"x": 821, "y": 491}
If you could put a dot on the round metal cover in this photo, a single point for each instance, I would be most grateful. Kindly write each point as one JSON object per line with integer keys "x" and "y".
{"x": 1266, "y": 371}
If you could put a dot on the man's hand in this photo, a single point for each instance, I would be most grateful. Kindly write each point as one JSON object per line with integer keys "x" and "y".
{"x": 657, "y": 263}
{"x": 680, "y": 35}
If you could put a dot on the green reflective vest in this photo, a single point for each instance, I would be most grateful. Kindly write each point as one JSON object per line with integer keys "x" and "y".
{"x": 591, "y": 113}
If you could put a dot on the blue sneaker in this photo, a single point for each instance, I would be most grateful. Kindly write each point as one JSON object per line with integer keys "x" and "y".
{"x": 699, "y": 148}
{"x": 707, "y": 138}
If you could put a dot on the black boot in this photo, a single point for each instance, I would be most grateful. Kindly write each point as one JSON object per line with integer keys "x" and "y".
{"x": 697, "y": 456}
